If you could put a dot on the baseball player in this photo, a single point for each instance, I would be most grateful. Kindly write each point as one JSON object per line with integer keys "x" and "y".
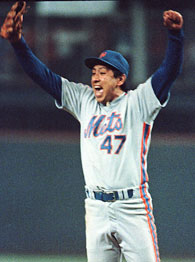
{"x": 115, "y": 136}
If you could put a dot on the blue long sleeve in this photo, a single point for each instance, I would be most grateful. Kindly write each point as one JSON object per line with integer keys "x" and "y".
{"x": 162, "y": 79}
{"x": 37, "y": 71}
{"x": 166, "y": 74}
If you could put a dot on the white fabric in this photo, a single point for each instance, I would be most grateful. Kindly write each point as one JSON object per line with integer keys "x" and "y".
{"x": 115, "y": 140}
{"x": 121, "y": 227}
{"x": 129, "y": 113}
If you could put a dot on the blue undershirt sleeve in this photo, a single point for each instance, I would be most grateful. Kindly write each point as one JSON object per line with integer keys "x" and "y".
{"x": 38, "y": 71}
{"x": 166, "y": 74}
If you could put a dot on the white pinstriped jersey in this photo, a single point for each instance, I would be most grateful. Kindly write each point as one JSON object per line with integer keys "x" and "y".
{"x": 114, "y": 139}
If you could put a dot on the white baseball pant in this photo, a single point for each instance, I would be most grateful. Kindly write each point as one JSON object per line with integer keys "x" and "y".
{"x": 121, "y": 228}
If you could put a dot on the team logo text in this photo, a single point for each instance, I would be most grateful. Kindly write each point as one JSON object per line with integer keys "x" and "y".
{"x": 99, "y": 125}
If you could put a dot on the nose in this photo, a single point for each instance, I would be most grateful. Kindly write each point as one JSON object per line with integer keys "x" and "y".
{"x": 95, "y": 77}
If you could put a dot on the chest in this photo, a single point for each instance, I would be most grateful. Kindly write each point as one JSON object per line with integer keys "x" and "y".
{"x": 99, "y": 125}
{"x": 101, "y": 121}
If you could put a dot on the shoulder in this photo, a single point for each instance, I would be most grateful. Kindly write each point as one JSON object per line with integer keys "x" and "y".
{"x": 75, "y": 86}
{"x": 141, "y": 89}
{"x": 79, "y": 91}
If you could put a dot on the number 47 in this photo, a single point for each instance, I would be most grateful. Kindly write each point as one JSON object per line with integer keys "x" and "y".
{"x": 107, "y": 143}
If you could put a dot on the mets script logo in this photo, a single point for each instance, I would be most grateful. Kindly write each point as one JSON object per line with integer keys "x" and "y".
{"x": 99, "y": 125}
{"x": 112, "y": 143}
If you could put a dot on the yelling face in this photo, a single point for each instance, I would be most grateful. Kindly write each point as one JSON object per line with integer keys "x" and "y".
{"x": 105, "y": 86}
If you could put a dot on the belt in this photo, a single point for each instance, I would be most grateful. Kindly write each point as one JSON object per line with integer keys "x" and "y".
{"x": 109, "y": 196}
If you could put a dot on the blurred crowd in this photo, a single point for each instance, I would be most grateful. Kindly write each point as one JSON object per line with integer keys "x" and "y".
{"x": 62, "y": 40}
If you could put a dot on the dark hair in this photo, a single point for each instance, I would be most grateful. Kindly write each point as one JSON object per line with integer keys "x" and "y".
{"x": 117, "y": 73}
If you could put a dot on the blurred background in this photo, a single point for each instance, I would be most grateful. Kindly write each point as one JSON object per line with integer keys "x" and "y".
{"x": 41, "y": 204}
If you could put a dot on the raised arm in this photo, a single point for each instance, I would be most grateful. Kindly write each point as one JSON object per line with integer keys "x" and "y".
{"x": 166, "y": 74}
{"x": 39, "y": 72}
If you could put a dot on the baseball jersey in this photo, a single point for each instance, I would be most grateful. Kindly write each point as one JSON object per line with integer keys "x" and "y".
{"x": 114, "y": 139}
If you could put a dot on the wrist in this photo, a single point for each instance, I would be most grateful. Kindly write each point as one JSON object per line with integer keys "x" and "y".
{"x": 19, "y": 43}
{"x": 176, "y": 33}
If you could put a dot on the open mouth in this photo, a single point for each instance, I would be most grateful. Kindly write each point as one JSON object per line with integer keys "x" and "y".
{"x": 98, "y": 90}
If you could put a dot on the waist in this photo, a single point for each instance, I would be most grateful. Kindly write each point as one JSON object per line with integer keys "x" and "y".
{"x": 109, "y": 195}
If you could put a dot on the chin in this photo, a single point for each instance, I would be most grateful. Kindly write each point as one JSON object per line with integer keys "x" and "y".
{"x": 100, "y": 100}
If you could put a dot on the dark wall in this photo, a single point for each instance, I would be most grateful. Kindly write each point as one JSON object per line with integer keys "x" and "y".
{"x": 171, "y": 171}
{"x": 41, "y": 198}
{"x": 41, "y": 204}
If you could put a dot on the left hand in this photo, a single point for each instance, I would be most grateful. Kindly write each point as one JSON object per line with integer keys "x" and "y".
{"x": 172, "y": 20}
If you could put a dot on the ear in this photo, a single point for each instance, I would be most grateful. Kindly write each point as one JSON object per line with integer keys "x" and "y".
{"x": 121, "y": 80}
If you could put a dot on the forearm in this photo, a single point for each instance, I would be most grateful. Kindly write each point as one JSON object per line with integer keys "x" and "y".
{"x": 166, "y": 74}
{"x": 38, "y": 71}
